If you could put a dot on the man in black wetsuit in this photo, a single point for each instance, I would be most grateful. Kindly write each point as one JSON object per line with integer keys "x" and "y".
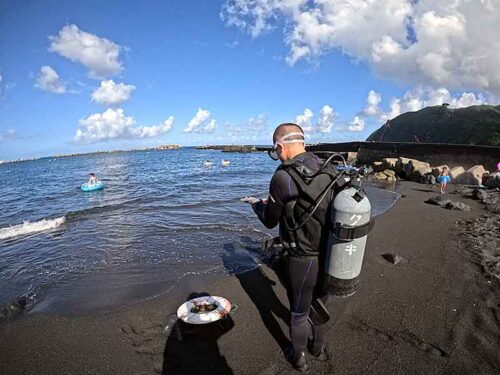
{"x": 303, "y": 245}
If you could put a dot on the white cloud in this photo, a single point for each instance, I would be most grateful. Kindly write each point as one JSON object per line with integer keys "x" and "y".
{"x": 357, "y": 124}
{"x": 155, "y": 130}
{"x": 432, "y": 42}
{"x": 254, "y": 15}
{"x": 113, "y": 124}
{"x": 210, "y": 126}
{"x": 104, "y": 126}
{"x": 410, "y": 102}
{"x": 48, "y": 80}
{"x": 305, "y": 120}
{"x": 373, "y": 100}
{"x": 99, "y": 55}
{"x": 418, "y": 98}
{"x": 9, "y": 134}
{"x": 464, "y": 99}
{"x": 258, "y": 123}
{"x": 250, "y": 130}
{"x": 111, "y": 93}
{"x": 325, "y": 120}
{"x": 201, "y": 123}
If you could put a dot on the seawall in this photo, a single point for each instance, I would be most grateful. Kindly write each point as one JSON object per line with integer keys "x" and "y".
{"x": 432, "y": 153}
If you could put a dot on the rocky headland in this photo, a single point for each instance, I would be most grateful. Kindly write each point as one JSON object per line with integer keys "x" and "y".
{"x": 474, "y": 125}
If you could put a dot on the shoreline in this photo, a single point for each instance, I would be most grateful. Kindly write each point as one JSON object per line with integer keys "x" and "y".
{"x": 42, "y": 301}
{"x": 435, "y": 313}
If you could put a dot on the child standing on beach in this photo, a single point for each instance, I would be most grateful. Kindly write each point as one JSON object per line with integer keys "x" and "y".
{"x": 444, "y": 179}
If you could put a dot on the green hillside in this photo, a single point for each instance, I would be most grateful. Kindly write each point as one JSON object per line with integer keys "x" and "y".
{"x": 476, "y": 125}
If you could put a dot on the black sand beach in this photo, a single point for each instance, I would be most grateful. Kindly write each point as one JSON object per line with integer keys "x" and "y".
{"x": 437, "y": 313}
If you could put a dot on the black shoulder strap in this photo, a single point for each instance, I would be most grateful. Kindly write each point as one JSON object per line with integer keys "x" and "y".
{"x": 297, "y": 178}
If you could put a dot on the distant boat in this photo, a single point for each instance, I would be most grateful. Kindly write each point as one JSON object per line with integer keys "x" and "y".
{"x": 225, "y": 163}
{"x": 208, "y": 163}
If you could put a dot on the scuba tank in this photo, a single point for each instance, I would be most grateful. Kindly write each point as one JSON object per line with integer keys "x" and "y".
{"x": 349, "y": 225}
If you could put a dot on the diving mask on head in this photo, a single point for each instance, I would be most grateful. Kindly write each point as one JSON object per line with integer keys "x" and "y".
{"x": 283, "y": 141}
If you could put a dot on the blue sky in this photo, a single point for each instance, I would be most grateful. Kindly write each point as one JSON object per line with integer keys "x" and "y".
{"x": 200, "y": 72}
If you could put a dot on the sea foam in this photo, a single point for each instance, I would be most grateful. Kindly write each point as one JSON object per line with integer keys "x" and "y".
{"x": 29, "y": 228}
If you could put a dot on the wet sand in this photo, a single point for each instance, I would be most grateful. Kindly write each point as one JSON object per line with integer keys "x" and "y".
{"x": 437, "y": 313}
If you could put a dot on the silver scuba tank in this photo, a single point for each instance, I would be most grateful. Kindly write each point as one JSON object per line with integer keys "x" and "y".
{"x": 350, "y": 223}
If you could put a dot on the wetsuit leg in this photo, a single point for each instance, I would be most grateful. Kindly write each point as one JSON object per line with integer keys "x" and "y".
{"x": 319, "y": 335}
{"x": 302, "y": 277}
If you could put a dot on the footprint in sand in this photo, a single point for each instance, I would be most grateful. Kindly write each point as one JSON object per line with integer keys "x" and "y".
{"x": 149, "y": 341}
{"x": 403, "y": 335}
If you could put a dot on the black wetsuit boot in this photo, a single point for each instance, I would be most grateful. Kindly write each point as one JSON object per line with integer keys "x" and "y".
{"x": 300, "y": 362}
{"x": 302, "y": 276}
{"x": 317, "y": 347}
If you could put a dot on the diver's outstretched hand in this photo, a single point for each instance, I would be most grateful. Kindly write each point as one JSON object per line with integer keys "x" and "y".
{"x": 250, "y": 200}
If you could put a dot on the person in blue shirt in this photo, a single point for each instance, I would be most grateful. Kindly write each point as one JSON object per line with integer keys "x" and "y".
{"x": 444, "y": 179}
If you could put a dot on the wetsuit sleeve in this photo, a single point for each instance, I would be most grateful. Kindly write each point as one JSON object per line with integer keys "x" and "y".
{"x": 281, "y": 191}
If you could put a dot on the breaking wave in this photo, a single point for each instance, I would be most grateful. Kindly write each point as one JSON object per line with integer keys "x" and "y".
{"x": 29, "y": 228}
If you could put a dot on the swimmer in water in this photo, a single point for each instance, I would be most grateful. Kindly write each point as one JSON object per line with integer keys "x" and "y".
{"x": 93, "y": 179}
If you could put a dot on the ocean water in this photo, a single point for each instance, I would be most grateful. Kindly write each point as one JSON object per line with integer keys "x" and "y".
{"x": 162, "y": 216}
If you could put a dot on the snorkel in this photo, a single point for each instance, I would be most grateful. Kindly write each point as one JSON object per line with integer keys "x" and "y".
{"x": 283, "y": 141}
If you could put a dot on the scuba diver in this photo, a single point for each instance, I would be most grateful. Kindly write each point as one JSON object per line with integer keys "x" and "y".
{"x": 324, "y": 218}
{"x": 303, "y": 245}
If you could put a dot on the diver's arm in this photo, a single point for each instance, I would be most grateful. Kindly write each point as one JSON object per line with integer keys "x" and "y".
{"x": 268, "y": 213}
{"x": 281, "y": 190}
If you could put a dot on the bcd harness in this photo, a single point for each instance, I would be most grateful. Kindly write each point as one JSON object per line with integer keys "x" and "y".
{"x": 305, "y": 225}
